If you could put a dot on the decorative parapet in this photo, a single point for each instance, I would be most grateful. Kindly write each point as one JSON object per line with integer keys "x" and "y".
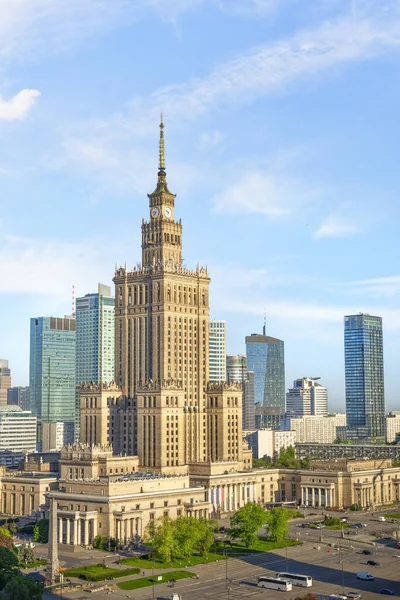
{"x": 91, "y": 386}
{"x": 223, "y": 386}
{"x": 159, "y": 268}
{"x": 144, "y": 387}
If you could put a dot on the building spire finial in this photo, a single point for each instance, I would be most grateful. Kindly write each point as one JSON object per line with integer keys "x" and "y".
{"x": 162, "y": 150}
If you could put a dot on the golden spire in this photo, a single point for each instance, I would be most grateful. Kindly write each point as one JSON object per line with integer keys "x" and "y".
{"x": 162, "y": 177}
{"x": 162, "y": 156}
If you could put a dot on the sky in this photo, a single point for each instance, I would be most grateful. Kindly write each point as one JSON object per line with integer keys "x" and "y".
{"x": 282, "y": 145}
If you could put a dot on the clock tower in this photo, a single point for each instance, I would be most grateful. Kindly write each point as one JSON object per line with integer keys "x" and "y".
{"x": 161, "y": 235}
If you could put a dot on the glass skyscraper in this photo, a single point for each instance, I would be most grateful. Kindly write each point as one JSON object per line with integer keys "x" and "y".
{"x": 266, "y": 357}
{"x": 94, "y": 340}
{"x": 52, "y": 369}
{"x": 364, "y": 378}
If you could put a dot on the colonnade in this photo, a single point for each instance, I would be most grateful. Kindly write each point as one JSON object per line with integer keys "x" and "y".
{"x": 127, "y": 528}
{"x": 77, "y": 531}
{"x": 317, "y": 496}
{"x": 231, "y": 496}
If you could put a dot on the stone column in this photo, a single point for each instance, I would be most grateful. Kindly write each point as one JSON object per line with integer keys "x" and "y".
{"x": 68, "y": 532}
{"x": 319, "y": 497}
{"x": 234, "y": 496}
{"x": 86, "y": 538}
{"x": 328, "y": 496}
{"x": 76, "y": 523}
{"x": 313, "y": 497}
{"x": 53, "y": 546}
{"x": 60, "y": 530}
{"x": 123, "y": 534}
{"x": 94, "y": 528}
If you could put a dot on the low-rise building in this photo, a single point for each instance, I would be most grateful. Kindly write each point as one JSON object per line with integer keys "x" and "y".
{"x": 349, "y": 451}
{"x": 392, "y": 426}
{"x": 315, "y": 429}
{"x": 268, "y": 443}
{"x": 340, "y": 484}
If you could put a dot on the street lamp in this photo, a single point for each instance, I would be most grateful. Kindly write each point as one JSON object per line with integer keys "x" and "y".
{"x": 226, "y": 568}
{"x": 152, "y": 573}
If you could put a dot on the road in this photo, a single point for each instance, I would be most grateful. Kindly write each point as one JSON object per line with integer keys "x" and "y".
{"x": 333, "y": 569}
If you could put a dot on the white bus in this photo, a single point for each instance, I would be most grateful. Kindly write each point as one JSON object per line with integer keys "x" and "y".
{"x": 296, "y": 579}
{"x": 273, "y": 583}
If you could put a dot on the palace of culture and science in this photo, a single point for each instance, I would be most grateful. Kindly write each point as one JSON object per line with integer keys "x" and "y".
{"x": 162, "y": 441}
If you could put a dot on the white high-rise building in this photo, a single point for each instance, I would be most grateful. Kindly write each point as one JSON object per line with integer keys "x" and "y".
{"x": 392, "y": 426}
{"x": 307, "y": 397}
{"x": 217, "y": 348}
{"x": 17, "y": 429}
{"x": 267, "y": 442}
{"x": 315, "y": 429}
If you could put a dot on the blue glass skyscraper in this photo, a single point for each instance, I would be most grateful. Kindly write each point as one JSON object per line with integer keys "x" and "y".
{"x": 364, "y": 378}
{"x": 52, "y": 369}
{"x": 266, "y": 357}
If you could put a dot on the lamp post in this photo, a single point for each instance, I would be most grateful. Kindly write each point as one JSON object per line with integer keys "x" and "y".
{"x": 152, "y": 574}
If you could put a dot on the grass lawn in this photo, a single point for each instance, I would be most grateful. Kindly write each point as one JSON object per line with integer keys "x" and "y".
{"x": 392, "y": 516}
{"x": 236, "y": 549}
{"x": 134, "y": 584}
{"x": 99, "y": 572}
{"x": 261, "y": 545}
{"x": 144, "y": 563}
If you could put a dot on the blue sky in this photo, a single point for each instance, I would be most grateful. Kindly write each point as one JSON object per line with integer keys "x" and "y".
{"x": 282, "y": 145}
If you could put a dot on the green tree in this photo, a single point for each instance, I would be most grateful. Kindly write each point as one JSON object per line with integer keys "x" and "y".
{"x": 247, "y": 521}
{"x": 205, "y": 535}
{"x": 8, "y": 566}
{"x": 23, "y": 588}
{"x": 27, "y": 555}
{"x": 160, "y": 535}
{"x": 5, "y": 531}
{"x": 186, "y": 535}
{"x": 41, "y": 531}
{"x": 278, "y": 524}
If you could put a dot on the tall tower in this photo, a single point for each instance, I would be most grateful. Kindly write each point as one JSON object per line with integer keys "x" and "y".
{"x": 365, "y": 393}
{"x": 217, "y": 350}
{"x": 162, "y": 337}
{"x": 94, "y": 341}
{"x": 5, "y": 381}
{"x": 266, "y": 357}
{"x": 52, "y": 371}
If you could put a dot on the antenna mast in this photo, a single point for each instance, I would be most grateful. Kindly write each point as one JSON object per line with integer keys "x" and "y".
{"x": 265, "y": 322}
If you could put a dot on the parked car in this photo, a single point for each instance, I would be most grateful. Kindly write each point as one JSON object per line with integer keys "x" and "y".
{"x": 395, "y": 555}
{"x": 373, "y": 563}
{"x": 353, "y": 595}
{"x": 369, "y": 552}
{"x": 387, "y": 592}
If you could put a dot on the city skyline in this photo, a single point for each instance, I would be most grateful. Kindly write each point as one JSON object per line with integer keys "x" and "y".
{"x": 286, "y": 178}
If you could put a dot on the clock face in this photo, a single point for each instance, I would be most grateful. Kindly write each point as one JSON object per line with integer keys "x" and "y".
{"x": 168, "y": 212}
{"x": 155, "y": 212}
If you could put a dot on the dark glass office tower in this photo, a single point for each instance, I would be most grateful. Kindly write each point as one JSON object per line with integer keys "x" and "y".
{"x": 363, "y": 354}
{"x": 266, "y": 357}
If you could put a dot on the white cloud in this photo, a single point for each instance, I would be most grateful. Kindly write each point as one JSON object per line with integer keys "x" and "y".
{"x": 255, "y": 192}
{"x": 18, "y": 107}
{"x": 43, "y": 266}
{"x": 209, "y": 140}
{"x": 337, "y": 226}
{"x": 268, "y": 68}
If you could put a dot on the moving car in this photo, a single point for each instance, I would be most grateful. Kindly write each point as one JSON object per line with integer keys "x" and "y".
{"x": 353, "y": 595}
{"x": 365, "y": 576}
{"x": 382, "y": 519}
{"x": 373, "y": 563}
{"x": 387, "y": 592}
{"x": 369, "y": 552}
